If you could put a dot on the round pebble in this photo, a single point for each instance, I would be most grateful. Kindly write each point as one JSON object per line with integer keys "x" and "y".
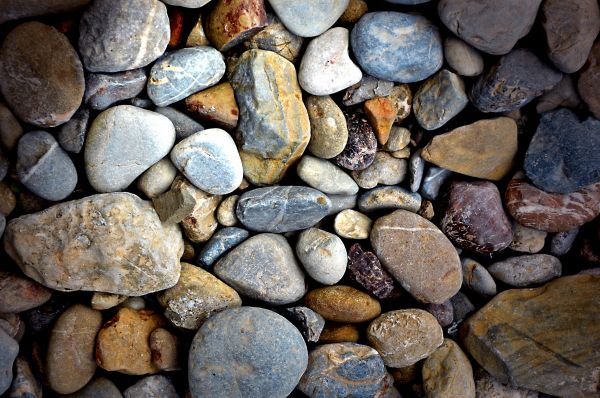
{"x": 359, "y": 152}
{"x": 328, "y": 129}
{"x": 226, "y": 211}
{"x": 527, "y": 270}
{"x": 322, "y": 254}
{"x": 341, "y": 303}
{"x": 321, "y": 14}
{"x": 463, "y": 58}
{"x": 157, "y": 179}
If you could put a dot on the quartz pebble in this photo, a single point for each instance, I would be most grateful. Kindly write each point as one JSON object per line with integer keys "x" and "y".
{"x": 103, "y": 90}
{"x": 322, "y": 14}
{"x": 329, "y": 132}
{"x": 527, "y": 270}
{"x": 220, "y": 243}
{"x": 351, "y": 224}
{"x": 341, "y": 303}
{"x": 325, "y": 176}
{"x": 365, "y": 269}
{"x": 390, "y": 197}
{"x": 322, "y": 254}
{"x": 463, "y": 58}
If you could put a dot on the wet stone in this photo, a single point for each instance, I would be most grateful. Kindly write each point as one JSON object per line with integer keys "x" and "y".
{"x": 361, "y": 147}
{"x": 71, "y": 135}
{"x": 527, "y": 270}
{"x": 390, "y": 197}
{"x": 103, "y": 90}
{"x": 365, "y": 269}
{"x": 307, "y": 321}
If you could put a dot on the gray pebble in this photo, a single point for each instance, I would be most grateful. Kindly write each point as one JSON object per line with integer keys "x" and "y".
{"x": 9, "y": 349}
{"x": 17, "y": 9}
{"x": 2, "y": 224}
{"x": 71, "y": 135}
{"x": 143, "y": 103}
{"x": 385, "y": 169}
{"x": 157, "y": 179}
{"x": 186, "y": 3}
{"x": 433, "y": 180}
{"x": 369, "y": 87}
{"x": 444, "y": 312}
{"x": 307, "y": 321}
{"x": 416, "y": 167}
{"x": 157, "y": 386}
{"x": 220, "y": 243}
{"x": 463, "y": 58}
{"x": 477, "y": 278}
{"x": 322, "y": 254}
{"x": 341, "y": 202}
{"x": 522, "y": 271}
{"x": 462, "y": 307}
{"x": 325, "y": 176}
{"x": 562, "y": 242}
{"x": 386, "y": 198}
{"x": 398, "y": 140}
{"x": 184, "y": 125}
{"x": 309, "y": 19}
{"x": 102, "y": 90}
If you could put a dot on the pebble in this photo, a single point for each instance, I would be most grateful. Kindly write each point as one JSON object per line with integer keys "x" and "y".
{"x": 9, "y": 349}
{"x": 226, "y": 211}
{"x": 564, "y": 94}
{"x": 164, "y": 347}
{"x": 339, "y": 333}
{"x": 395, "y": 46}
{"x": 281, "y": 208}
{"x": 184, "y": 125}
{"x": 326, "y": 67}
{"x": 70, "y": 362}
{"x": 196, "y": 297}
{"x": 399, "y": 139}
{"x": 157, "y": 179}
{"x": 122, "y": 143}
{"x": 246, "y": 351}
{"x": 307, "y": 321}
{"x": 404, "y": 337}
{"x": 24, "y": 384}
{"x": 514, "y": 81}
{"x": 104, "y": 301}
{"x": 103, "y": 90}
{"x": 13, "y": 325}
{"x": 187, "y": 3}
{"x": 2, "y": 224}
{"x": 220, "y": 243}
{"x": 216, "y": 104}
{"x": 33, "y": 53}
{"x": 416, "y": 167}
{"x": 134, "y": 303}
{"x": 527, "y": 270}
{"x": 385, "y": 170}
{"x": 402, "y": 98}
{"x": 4, "y": 164}
{"x": 151, "y": 387}
{"x": 381, "y": 113}
{"x": 389, "y": 197}
{"x": 360, "y": 150}
{"x": 365, "y": 269}
{"x": 562, "y": 242}
{"x": 589, "y": 82}
{"x": 474, "y": 218}
{"x": 10, "y": 128}
{"x": 418, "y": 255}
{"x": 369, "y": 87}
{"x": 444, "y": 312}
{"x": 341, "y": 303}
{"x": 18, "y": 294}
{"x": 477, "y": 278}
{"x": 71, "y": 135}
{"x": 355, "y": 10}
{"x": 487, "y": 386}
{"x": 341, "y": 202}
{"x": 183, "y": 72}
{"x": 322, "y": 14}
{"x": 82, "y": 256}
{"x": 44, "y": 167}
{"x": 9, "y": 201}
{"x": 561, "y": 156}
{"x": 527, "y": 240}
{"x": 244, "y": 18}
{"x": 462, "y": 307}
{"x": 351, "y": 224}
{"x": 13, "y": 10}
{"x": 439, "y": 99}
{"x": 447, "y": 372}
{"x": 325, "y": 176}
{"x": 275, "y": 37}
{"x": 463, "y": 58}
{"x": 264, "y": 268}
{"x": 115, "y": 36}
{"x": 322, "y": 254}
{"x": 99, "y": 387}
{"x": 329, "y": 132}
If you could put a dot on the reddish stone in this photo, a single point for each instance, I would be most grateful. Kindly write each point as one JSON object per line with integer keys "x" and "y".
{"x": 365, "y": 269}
{"x": 176, "y": 21}
{"x": 19, "y": 294}
{"x": 361, "y": 148}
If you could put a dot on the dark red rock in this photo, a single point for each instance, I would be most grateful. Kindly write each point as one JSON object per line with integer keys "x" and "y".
{"x": 474, "y": 218}
{"x": 365, "y": 269}
{"x": 360, "y": 150}
{"x": 19, "y": 294}
{"x": 588, "y": 84}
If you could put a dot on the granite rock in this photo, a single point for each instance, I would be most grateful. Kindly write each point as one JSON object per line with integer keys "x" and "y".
{"x": 385, "y": 170}
{"x": 150, "y": 387}
{"x": 244, "y": 18}
{"x": 102, "y": 90}
{"x": 71, "y": 135}
{"x": 351, "y": 224}
{"x": 18, "y": 294}
{"x": 325, "y": 176}
{"x": 329, "y": 132}
{"x": 360, "y": 150}
{"x": 447, "y": 372}
{"x": 275, "y": 37}
{"x": 463, "y": 58}
{"x": 322, "y": 14}
{"x": 365, "y": 269}
{"x": 220, "y": 243}
{"x": 390, "y": 197}
{"x": 589, "y": 81}
{"x": 322, "y": 254}
{"x": 527, "y": 270}
{"x": 342, "y": 303}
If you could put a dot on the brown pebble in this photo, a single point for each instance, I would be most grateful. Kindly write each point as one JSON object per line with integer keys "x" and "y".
{"x": 243, "y": 18}
{"x": 339, "y": 333}
{"x": 216, "y": 104}
{"x": 164, "y": 347}
{"x": 342, "y": 304}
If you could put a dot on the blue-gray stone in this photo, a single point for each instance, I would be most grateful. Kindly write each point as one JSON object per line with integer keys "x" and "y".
{"x": 395, "y": 46}
{"x": 309, "y": 18}
{"x": 416, "y": 167}
{"x": 99, "y": 387}
{"x": 562, "y": 242}
{"x": 220, "y": 243}
{"x": 282, "y": 208}
{"x": 151, "y": 386}
{"x": 183, "y": 72}
{"x": 564, "y": 155}
{"x": 184, "y": 125}
{"x": 71, "y": 135}
{"x": 309, "y": 322}
{"x": 246, "y": 352}
{"x": 389, "y": 197}
{"x": 2, "y": 224}
{"x": 433, "y": 180}
{"x": 9, "y": 349}
{"x": 104, "y": 89}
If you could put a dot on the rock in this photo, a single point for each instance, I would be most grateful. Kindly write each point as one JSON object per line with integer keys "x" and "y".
{"x": 365, "y": 269}
{"x": 99, "y": 387}
{"x": 326, "y": 67}
{"x": 527, "y": 240}
{"x": 369, "y": 87}
{"x": 325, "y": 176}
{"x": 399, "y": 139}
{"x": 385, "y": 170}
{"x": 226, "y": 211}
{"x": 551, "y": 212}
{"x": 244, "y": 18}
{"x": 44, "y": 168}
{"x": 416, "y": 167}
{"x": 490, "y": 26}
{"x": 40, "y": 319}
{"x": 157, "y": 179}
{"x": 353, "y": 12}
{"x": 484, "y": 149}
{"x": 561, "y": 156}
{"x": 308, "y": 322}
{"x": 43, "y": 78}
{"x": 263, "y": 268}
{"x": 151, "y": 386}
{"x": 339, "y": 333}
{"x": 197, "y": 36}
{"x": 439, "y": 99}
{"x": 559, "y": 363}
{"x": 184, "y": 125}
{"x": 13, "y": 325}
{"x": 329, "y": 132}
{"x": 103, "y": 90}
{"x": 527, "y": 270}
{"x": 16, "y": 9}
{"x": 360, "y": 150}
{"x": 104, "y": 301}
{"x": 407, "y": 2}
{"x": 404, "y": 337}
{"x": 570, "y": 27}
{"x": 10, "y": 128}
{"x": 271, "y": 365}
{"x": 351, "y": 224}
{"x": 9, "y": 349}
{"x": 402, "y": 98}
{"x": 24, "y": 384}
{"x": 564, "y": 94}
{"x": 187, "y": 3}
{"x": 513, "y": 82}
{"x": 404, "y": 153}
{"x": 4, "y": 164}
{"x": 273, "y": 135}
{"x": 474, "y": 218}
{"x": 216, "y": 104}
{"x": 487, "y": 386}
{"x": 282, "y": 208}
{"x": 477, "y": 278}
{"x": 322, "y": 254}
{"x": 463, "y": 58}
{"x": 275, "y": 37}
{"x": 164, "y": 346}
{"x": 71, "y": 135}
{"x": 113, "y": 243}
{"x": 322, "y": 15}
{"x": 562, "y": 242}
{"x": 8, "y": 200}
{"x": 443, "y": 313}
{"x": 391, "y": 197}
{"x": 381, "y": 113}
{"x": 121, "y": 35}
{"x": 18, "y": 294}
{"x": 418, "y": 255}
{"x": 70, "y": 363}
{"x": 134, "y": 303}
{"x": 462, "y": 307}
{"x": 122, "y": 143}
{"x": 589, "y": 81}
{"x": 196, "y": 296}
{"x": 341, "y": 303}
{"x": 2, "y": 224}
{"x": 341, "y": 202}
{"x": 447, "y": 372}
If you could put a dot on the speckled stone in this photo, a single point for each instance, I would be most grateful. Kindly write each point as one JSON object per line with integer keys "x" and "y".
{"x": 365, "y": 269}
{"x": 322, "y": 254}
{"x": 444, "y": 312}
{"x": 275, "y": 37}
{"x": 447, "y": 372}
{"x": 351, "y": 224}
{"x": 399, "y": 139}
{"x": 9, "y": 349}
{"x": 244, "y": 18}
{"x": 71, "y": 135}
{"x": 152, "y": 386}
{"x": 341, "y": 303}
{"x": 325, "y": 176}
{"x": 463, "y": 58}
{"x": 307, "y": 321}
{"x": 328, "y": 129}
{"x": 527, "y": 270}
{"x": 157, "y": 179}
{"x": 102, "y": 90}
{"x": 477, "y": 278}
{"x": 322, "y": 14}
{"x": 390, "y": 197}
{"x": 385, "y": 170}
{"x": 527, "y": 240}
{"x": 361, "y": 147}
{"x": 184, "y": 125}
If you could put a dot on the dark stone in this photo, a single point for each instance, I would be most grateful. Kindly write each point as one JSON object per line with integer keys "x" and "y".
{"x": 4, "y": 164}
{"x": 71, "y": 135}
{"x": 360, "y": 150}
{"x": 462, "y": 307}
{"x": 102, "y": 90}
{"x": 152, "y": 386}
{"x": 18, "y": 294}
{"x": 389, "y": 197}
{"x": 365, "y": 269}
{"x": 24, "y": 384}
{"x": 220, "y": 243}
{"x": 18, "y": 9}
{"x": 184, "y": 125}
{"x": 369, "y": 87}
{"x": 588, "y": 84}
{"x": 307, "y": 321}
{"x": 527, "y": 270}
{"x": 39, "y": 319}
{"x": 562, "y": 242}
{"x": 98, "y": 388}
{"x": 444, "y": 312}
{"x": 9, "y": 349}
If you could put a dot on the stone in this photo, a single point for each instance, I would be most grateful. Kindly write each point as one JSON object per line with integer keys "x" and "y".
{"x": 196, "y": 297}
{"x": 10, "y": 128}
{"x": 44, "y": 168}
{"x": 416, "y": 167}
{"x": 564, "y": 94}
{"x": 351, "y": 224}
{"x": 282, "y": 208}
{"x": 18, "y": 294}
{"x": 122, "y": 143}
{"x": 562, "y": 242}
{"x": 439, "y": 99}
{"x": 71, "y": 135}
{"x": 39, "y": 320}
{"x": 339, "y": 333}
{"x": 226, "y": 211}
{"x": 399, "y": 139}
{"x": 264, "y": 268}
{"x": 43, "y": 77}
{"x": 341, "y": 303}
{"x": 264, "y": 355}
{"x": 561, "y": 156}
{"x": 151, "y": 386}
{"x": 134, "y": 303}
{"x": 244, "y": 18}
{"x": 418, "y": 255}
{"x": 551, "y": 212}
{"x": 443, "y": 313}
{"x": 514, "y": 81}
{"x": 552, "y": 357}
{"x": 24, "y": 384}
{"x": 385, "y": 170}
{"x": 365, "y": 269}
{"x": 181, "y": 73}
{"x": 115, "y": 36}
{"x": 99, "y": 387}
{"x": 404, "y": 153}
{"x": 487, "y": 386}
{"x": 175, "y": 205}
{"x": 401, "y": 96}
{"x": 9, "y": 349}
{"x": 197, "y": 36}
{"x": 70, "y": 362}
{"x": 274, "y": 127}
{"x": 463, "y": 58}
{"x": 215, "y": 104}
{"x": 360, "y": 150}
{"x": 9, "y": 201}
{"x": 275, "y": 37}
{"x": 187, "y": 3}
{"x": 527, "y": 240}
{"x": 184, "y": 125}
{"x": 589, "y": 81}
{"x": 16, "y": 9}
{"x": 164, "y": 347}
{"x": 341, "y": 202}
{"x": 102, "y": 90}
{"x": 322, "y": 254}
{"x": 477, "y": 278}
{"x": 527, "y": 270}
{"x": 307, "y": 321}
{"x": 157, "y": 179}
{"x": 447, "y": 372}
{"x": 389, "y": 197}
{"x": 13, "y": 325}
{"x": 369, "y": 87}
{"x": 355, "y": 10}
{"x": 104, "y": 301}
{"x": 329, "y": 132}
{"x": 462, "y": 307}
{"x": 2, "y": 224}
{"x": 404, "y": 337}
{"x": 112, "y": 243}
{"x": 325, "y": 176}
{"x": 490, "y": 26}
{"x": 395, "y": 46}
{"x": 474, "y": 218}
{"x": 4, "y": 164}
{"x": 570, "y": 28}
{"x": 326, "y": 67}
{"x": 381, "y": 113}
{"x": 322, "y": 14}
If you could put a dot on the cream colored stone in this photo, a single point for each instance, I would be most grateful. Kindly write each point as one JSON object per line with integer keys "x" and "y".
{"x": 351, "y": 224}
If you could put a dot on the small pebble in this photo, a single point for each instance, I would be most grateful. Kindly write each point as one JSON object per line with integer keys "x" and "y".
{"x": 325, "y": 176}
{"x": 184, "y": 125}
{"x": 164, "y": 347}
{"x": 365, "y": 269}
{"x": 381, "y": 113}
{"x": 527, "y": 240}
{"x": 351, "y": 224}
{"x": 433, "y": 180}
{"x": 275, "y": 37}
{"x": 355, "y": 10}
{"x": 226, "y": 211}
{"x": 71, "y": 135}
{"x": 369, "y": 87}
{"x": 103, "y": 90}
{"x": 341, "y": 303}
{"x": 477, "y": 278}
{"x": 341, "y": 202}
{"x": 216, "y": 104}
{"x": 322, "y": 254}
{"x": 339, "y": 333}
{"x": 151, "y": 386}
{"x": 463, "y": 58}
{"x": 104, "y": 301}
{"x": 527, "y": 270}
{"x": 416, "y": 167}
{"x": 399, "y": 139}
{"x": 329, "y": 132}
{"x": 385, "y": 170}
{"x": 220, "y": 243}
{"x": 390, "y": 197}
{"x": 562, "y": 242}
{"x": 439, "y": 99}
{"x": 361, "y": 147}
{"x": 307, "y": 321}
{"x": 157, "y": 179}
{"x": 462, "y": 307}
{"x": 444, "y": 312}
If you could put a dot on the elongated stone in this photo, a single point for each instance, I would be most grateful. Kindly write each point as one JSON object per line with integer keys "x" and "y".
{"x": 221, "y": 242}
{"x": 102, "y": 90}
{"x": 523, "y": 271}
{"x": 325, "y": 176}
{"x": 392, "y": 197}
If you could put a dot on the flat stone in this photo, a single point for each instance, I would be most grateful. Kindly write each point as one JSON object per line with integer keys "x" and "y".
{"x": 322, "y": 14}
{"x": 390, "y": 197}
{"x": 365, "y": 269}
{"x": 360, "y": 150}
{"x": 157, "y": 179}
{"x": 113, "y": 243}
{"x": 43, "y": 78}
{"x": 339, "y": 333}
{"x": 510, "y": 337}
{"x": 487, "y": 386}
{"x": 463, "y": 58}
{"x": 263, "y": 268}
{"x": 18, "y": 294}
{"x": 246, "y": 351}
{"x": 307, "y": 321}
{"x": 325, "y": 176}
{"x": 151, "y": 386}
{"x": 341, "y": 303}
{"x": 589, "y": 81}
{"x": 395, "y": 46}
{"x": 369, "y": 87}
{"x": 418, "y": 255}
{"x": 244, "y": 18}
{"x": 121, "y": 35}
{"x": 215, "y": 104}
{"x": 10, "y": 128}
{"x": 102, "y": 90}
{"x": 385, "y": 170}
{"x": 184, "y": 125}
{"x": 341, "y": 202}
{"x": 164, "y": 347}
{"x": 71, "y": 135}
{"x": 351, "y": 224}
{"x": 322, "y": 254}
{"x": 447, "y": 372}
{"x": 381, "y": 113}
{"x": 329, "y": 132}
{"x": 416, "y": 169}
{"x": 226, "y": 211}
{"x": 275, "y": 37}
{"x": 99, "y": 387}
{"x": 527, "y": 240}
{"x": 24, "y": 384}
{"x": 9, "y": 349}
{"x": 439, "y": 99}
{"x": 16, "y": 9}
{"x": 527, "y": 270}
{"x": 477, "y": 278}
{"x": 562, "y": 242}
{"x": 484, "y": 149}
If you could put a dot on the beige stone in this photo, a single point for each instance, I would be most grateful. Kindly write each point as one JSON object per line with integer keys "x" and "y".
{"x": 447, "y": 373}
{"x": 339, "y": 333}
{"x": 351, "y": 224}
{"x": 197, "y": 37}
{"x": 329, "y": 132}
{"x": 398, "y": 140}
{"x": 385, "y": 170}
{"x": 341, "y": 303}
{"x": 527, "y": 240}
{"x": 226, "y": 211}
{"x": 104, "y": 301}
{"x": 355, "y": 10}
{"x": 216, "y": 104}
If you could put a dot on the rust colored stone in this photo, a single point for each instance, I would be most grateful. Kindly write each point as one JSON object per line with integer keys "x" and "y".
{"x": 176, "y": 21}
{"x": 339, "y": 333}
{"x": 216, "y": 104}
{"x": 233, "y": 21}
{"x": 381, "y": 112}
{"x": 342, "y": 304}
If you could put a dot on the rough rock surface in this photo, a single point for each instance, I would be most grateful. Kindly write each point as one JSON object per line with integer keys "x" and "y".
{"x": 361, "y": 147}
{"x": 233, "y": 21}
{"x": 365, "y": 269}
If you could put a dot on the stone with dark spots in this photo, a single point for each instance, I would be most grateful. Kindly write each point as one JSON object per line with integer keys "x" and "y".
{"x": 365, "y": 269}
{"x": 361, "y": 147}
{"x": 295, "y": 15}
{"x": 307, "y": 321}
{"x": 527, "y": 270}
{"x": 390, "y": 197}
{"x": 102, "y": 89}
{"x": 232, "y": 21}
{"x": 71, "y": 135}
{"x": 588, "y": 84}
{"x": 221, "y": 242}
{"x": 18, "y": 294}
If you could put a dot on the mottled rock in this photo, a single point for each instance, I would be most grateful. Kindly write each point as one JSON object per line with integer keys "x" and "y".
{"x": 102, "y": 90}
{"x": 275, "y": 37}
{"x": 325, "y": 176}
{"x": 322, "y": 14}
{"x": 402, "y": 98}
{"x": 99, "y": 387}
{"x": 589, "y": 81}
{"x": 447, "y": 372}
{"x": 361, "y": 147}
{"x": 385, "y": 170}
{"x": 216, "y": 104}
{"x": 391, "y": 197}
{"x": 322, "y": 254}
{"x": 463, "y": 58}
{"x": 562, "y": 242}
{"x": 527, "y": 270}
{"x": 341, "y": 303}
{"x": 9, "y": 349}
{"x": 369, "y": 87}
{"x": 365, "y": 269}
{"x": 244, "y": 18}
{"x": 527, "y": 240}
{"x": 151, "y": 386}
{"x": 226, "y": 211}
{"x": 307, "y": 321}
{"x": 329, "y": 132}
{"x": 18, "y": 294}
{"x": 439, "y": 99}
{"x": 157, "y": 179}
{"x": 381, "y": 113}
{"x": 477, "y": 278}
{"x": 16, "y": 9}
{"x": 351, "y": 224}
{"x": 24, "y": 384}
{"x": 339, "y": 333}
{"x": 184, "y": 125}
{"x": 488, "y": 387}
{"x": 399, "y": 139}
{"x": 164, "y": 347}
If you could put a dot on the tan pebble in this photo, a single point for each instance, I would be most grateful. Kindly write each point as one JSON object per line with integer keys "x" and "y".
{"x": 197, "y": 37}
{"x": 226, "y": 211}
{"x": 352, "y": 224}
{"x": 355, "y": 10}
{"x": 342, "y": 304}
{"x": 447, "y": 372}
{"x": 164, "y": 346}
{"x": 216, "y": 104}
{"x": 104, "y": 301}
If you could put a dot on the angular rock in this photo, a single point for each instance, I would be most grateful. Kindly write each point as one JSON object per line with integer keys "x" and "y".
{"x": 157, "y": 179}
{"x": 151, "y": 386}
{"x": 216, "y": 104}
{"x": 369, "y": 87}
{"x": 329, "y": 132}
{"x": 275, "y": 37}
{"x": 322, "y": 254}
{"x": 71, "y": 135}
{"x": 220, "y": 243}
{"x": 9, "y": 349}
{"x": 365, "y": 269}
{"x": 351, "y": 224}
{"x": 244, "y": 18}
{"x": 17, "y": 9}
{"x": 392, "y": 197}
{"x": 463, "y": 58}
{"x": 589, "y": 81}
{"x": 447, "y": 372}
{"x": 477, "y": 278}
{"x": 18, "y": 294}
{"x": 341, "y": 303}
{"x": 184, "y": 125}
{"x": 439, "y": 99}
{"x": 322, "y": 14}
{"x": 103, "y": 90}
{"x": 381, "y": 113}
{"x": 385, "y": 169}
{"x": 360, "y": 150}
{"x": 527, "y": 240}
{"x": 99, "y": 387}
{"x": 307, "y": 321}
{"x": 325, "y": 176}
{"x": 523, "y": 271}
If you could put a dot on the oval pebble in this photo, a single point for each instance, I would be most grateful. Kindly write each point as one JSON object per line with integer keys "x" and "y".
{"x": 322, "y": 254}
{"x": 341, "y": 303}
{"x": 527, "y": 270}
